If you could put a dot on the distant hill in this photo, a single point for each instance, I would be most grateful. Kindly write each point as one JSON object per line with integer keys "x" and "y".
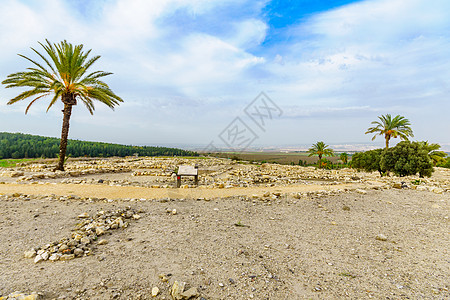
{"x": 19, "y": 145}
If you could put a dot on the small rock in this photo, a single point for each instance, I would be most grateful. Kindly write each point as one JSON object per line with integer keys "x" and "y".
{"x": 102, "y": 242}
{"x": 78, "y": 252}
{"x": 63, "y": 247}
{"x": 397, "y": 185}
{"x": 174, "y": 211}
{"x": 190, "y": 293}
{"x": 67, "y": 257}
{"x": 155, "y": 291}
{"x": 100, "y": 230}
{"x": 177, "y": 289}
{"x": 381, "y": 237}
{"x": 136, "y": 217}
{"x": 362, "y": 192}
{"x": 85, "y": 240}
{"x": 29, "y": 254}
{"x": 38, "y": 259}
{"x": 346, "y": 208}
{"x": 45, "y": 255}
{"x": 83, "y": 216}
{"x": 54, "y": 257}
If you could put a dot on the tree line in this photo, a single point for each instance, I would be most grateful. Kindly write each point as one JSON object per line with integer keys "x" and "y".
{"x": 19, "y": 145}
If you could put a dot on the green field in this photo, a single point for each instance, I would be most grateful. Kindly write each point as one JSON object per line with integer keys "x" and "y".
{"x": 274, "y": 157}
{"x": 9, "y": 163}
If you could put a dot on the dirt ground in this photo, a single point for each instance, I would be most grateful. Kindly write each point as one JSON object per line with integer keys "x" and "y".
{"x": 231, "y": 246}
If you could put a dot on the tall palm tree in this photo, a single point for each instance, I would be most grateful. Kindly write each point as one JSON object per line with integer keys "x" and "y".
{"x": 320, "y": 149}
{"x": 435, "y": 155}
{"x": 391, "y": 128}
{"x": 64, "y": 76}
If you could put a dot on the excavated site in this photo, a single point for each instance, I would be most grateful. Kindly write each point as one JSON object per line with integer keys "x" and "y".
{"x": 119, "y": 228}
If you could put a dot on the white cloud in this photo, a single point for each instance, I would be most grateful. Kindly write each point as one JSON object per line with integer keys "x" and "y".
{"x": 367, "y": 58}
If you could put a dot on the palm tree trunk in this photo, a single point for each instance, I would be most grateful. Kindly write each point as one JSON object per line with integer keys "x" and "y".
{"x": 64, "y": 135}
{"x": 320, "y": 161}
{"x": 387, "y": 141}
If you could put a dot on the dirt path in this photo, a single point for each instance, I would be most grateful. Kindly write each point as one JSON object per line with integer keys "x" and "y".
{"x": 106, "y": 191}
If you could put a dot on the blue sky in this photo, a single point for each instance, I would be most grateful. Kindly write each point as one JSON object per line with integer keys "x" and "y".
{"x": 187, "y": 69}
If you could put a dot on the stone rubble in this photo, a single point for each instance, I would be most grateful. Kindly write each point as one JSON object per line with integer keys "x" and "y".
{"x": 84, "y": 236}
{"x": 157, "y": 172}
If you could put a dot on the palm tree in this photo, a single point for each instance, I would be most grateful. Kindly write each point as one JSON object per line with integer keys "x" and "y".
{"x": 320, "y": 149}
{"x": 64, "y": 76}
{"x": 398, "y": 126}
{"x": 435, "y": 155}
{"x": 344, "y": 157}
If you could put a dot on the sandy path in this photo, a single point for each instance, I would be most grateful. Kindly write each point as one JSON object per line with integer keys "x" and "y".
{"x": 111, "y": 192}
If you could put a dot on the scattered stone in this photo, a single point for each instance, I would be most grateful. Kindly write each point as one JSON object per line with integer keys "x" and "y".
{"x": 67, "y": 257}
{"x": 83, "y": 237}
{"x": 38, "y": 258}
{"x": 29, "y": 254}
{"x": 381, "y": 237}
{"x": 100, "y": 230}
{"x": 362, "y": 192}
{"x": 346, "y": 208}
{"x": 45, "y": 255}
{"x": 190, "y": 293}
{"x": 78, "y": 252}
{"x": 85, "y": 240}
{"x": 21, "y": 296}
{"x": 163, "y": 278}
{"x": 155, "y": 291}
{"x": 83, "y": 216}
{"x": 177, "y": 289}
{"x": 54, "y": 257}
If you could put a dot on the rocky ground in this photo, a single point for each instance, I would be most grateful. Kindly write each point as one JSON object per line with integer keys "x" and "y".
{"x": 118, "y": 229}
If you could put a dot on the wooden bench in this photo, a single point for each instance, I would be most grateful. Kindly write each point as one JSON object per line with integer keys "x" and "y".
{"x": 187, "y": 171}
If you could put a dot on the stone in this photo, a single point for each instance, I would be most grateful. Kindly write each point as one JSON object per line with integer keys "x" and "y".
{"x": 397, "y": 185}
{"x": 190, "y": 293}
{"x": 421, "y": 188}
{"x": 381, "y": 237}
{"x": 85, "y": 240}
{"x": 100, "y": 230}
{"x": 83, "y": 216}
{"x": 362, "y": 192}
{"x": 63, "y": 247}
{"x": 346, "y": 208}
{"x": 67, "y": 257}
{"x": 438, "y": 191}
{"x": 174, "y": 211}
{"x": 38, "y": 259}
{"x": 177, "y": 289}
{"x": 31, "y": 297}
{"x": 78, "y": 252}
{"x": 29, "y": 254}
{"x": 54, "y": 257}
{"x": 155, "y": 291}
{"x": 102, "y": 242}
{"x": 45, "y": 255}
{"x": 136, "y": 217}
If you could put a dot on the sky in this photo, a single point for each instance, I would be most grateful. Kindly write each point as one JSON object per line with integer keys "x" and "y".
{"x": 240, "y": 73}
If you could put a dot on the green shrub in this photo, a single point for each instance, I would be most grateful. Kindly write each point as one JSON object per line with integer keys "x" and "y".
{"x": 368, "y": 161}
{"x": 407, "y": 158}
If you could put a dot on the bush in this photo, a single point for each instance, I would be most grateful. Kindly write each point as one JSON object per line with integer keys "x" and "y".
{"x": 445, "y": 163}
{"x": 407, "y": 158}
{"x": 368, "y": 161}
